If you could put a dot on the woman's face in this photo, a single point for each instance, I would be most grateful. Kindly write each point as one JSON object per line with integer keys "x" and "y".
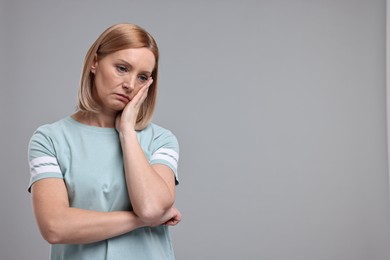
{"x": 120, "y": 75}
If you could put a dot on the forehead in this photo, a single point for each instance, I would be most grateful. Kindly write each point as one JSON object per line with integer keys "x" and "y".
{"x": 142, "y": 58}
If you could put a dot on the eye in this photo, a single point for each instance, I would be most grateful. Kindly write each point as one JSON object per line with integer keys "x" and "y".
{"x": 122, "y": 68}
{"x": 142, "y": 78}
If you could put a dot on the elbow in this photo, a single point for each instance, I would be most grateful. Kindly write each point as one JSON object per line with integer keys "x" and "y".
{"x": 52, "y": 234}
{"x": 152, "y": 216}
{"x": 52, "y": 239}
{"x": 153, "y": 213}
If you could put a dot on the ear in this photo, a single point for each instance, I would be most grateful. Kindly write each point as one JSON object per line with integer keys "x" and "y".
{"x": 94, "y": 64}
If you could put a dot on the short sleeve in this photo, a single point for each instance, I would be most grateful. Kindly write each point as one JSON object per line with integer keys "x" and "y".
{"x": 42, "y": 160}
{"x": 166, "y": 151}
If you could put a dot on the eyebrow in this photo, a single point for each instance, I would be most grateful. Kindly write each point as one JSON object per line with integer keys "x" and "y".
{"x": 131, "y": 66}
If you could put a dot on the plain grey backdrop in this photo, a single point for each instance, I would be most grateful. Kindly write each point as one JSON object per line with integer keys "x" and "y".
{"x": 279, "y": 107}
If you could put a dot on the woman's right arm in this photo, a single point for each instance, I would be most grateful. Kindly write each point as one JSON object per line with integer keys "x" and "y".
{"x": 61, "y": 224}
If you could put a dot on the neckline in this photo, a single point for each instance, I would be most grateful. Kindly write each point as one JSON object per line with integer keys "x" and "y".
{"x": 108, "y": 130}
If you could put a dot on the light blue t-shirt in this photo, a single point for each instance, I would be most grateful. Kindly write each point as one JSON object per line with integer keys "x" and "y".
{"x": 89, "y": 159}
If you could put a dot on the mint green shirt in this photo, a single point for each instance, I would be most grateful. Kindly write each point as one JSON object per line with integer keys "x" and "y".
{"x": 89, "y": 160}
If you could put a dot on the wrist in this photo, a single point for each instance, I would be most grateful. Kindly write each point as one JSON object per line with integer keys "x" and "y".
{"x": 126, "y": 134}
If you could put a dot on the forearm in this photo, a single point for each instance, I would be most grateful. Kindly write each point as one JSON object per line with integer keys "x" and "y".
{"x": 60, "y": 223}
{"x": 79, "y": 226}
{"x": 149, "y": 193}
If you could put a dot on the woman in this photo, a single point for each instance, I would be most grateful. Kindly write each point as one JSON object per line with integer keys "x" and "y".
{"x": 103, "y": 179}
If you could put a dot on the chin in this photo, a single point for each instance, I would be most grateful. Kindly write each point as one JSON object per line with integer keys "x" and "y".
{"x": 118, "y": 106}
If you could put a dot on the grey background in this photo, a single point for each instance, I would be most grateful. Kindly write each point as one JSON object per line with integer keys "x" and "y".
{"x": 279, "y": 106}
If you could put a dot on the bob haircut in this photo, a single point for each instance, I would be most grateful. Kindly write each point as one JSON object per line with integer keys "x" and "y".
{"x": 116, "y": 38}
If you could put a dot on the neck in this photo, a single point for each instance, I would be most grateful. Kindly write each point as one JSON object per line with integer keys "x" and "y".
{"x": 95, "y": 119}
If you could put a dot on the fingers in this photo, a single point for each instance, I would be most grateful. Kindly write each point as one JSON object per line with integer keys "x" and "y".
{"x": 129, "y": 114}
{"x": 140, "y": 97}
{"x": 172, "y": 222}
{"x": 171, "y": 218}
{"x": 176, "y": 218}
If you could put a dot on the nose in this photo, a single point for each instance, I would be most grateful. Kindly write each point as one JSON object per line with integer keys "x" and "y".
{"x": 129, "y": 83}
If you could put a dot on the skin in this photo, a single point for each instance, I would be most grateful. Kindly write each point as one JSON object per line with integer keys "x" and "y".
{"x": 122, "y": 80}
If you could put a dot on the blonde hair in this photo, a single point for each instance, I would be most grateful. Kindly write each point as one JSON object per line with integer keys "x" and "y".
{"x": 116, "y": 38}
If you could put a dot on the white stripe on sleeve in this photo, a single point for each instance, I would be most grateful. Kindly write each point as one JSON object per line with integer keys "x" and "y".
{"x": 170, "y": 152}
{"x": 165, "y": 158}
{"x": 44, "y": 164}
{"x": 43, "y": 160}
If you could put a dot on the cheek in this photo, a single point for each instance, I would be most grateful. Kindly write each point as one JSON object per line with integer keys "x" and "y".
{"x": 98, "y": 89}
{"x": 101, "y": 78}
{"x": 105, "y": 80}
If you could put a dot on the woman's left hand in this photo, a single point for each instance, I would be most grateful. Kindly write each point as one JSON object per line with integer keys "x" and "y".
{"x": 171, "y": 218}
{"x": 175, "y": 219}
{"x": 127, "y": 119}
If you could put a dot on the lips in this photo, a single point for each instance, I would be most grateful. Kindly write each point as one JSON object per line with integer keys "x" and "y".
{"x": 123, "y": 98}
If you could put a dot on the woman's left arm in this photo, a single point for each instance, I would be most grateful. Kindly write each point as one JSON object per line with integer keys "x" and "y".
{"x": 151, "y": 188}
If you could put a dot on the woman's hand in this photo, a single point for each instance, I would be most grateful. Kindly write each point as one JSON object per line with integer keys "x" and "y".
{"x": 175, "y": 219}
{"x": 127, "y": 119}
{"x": 171, "y": 218}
